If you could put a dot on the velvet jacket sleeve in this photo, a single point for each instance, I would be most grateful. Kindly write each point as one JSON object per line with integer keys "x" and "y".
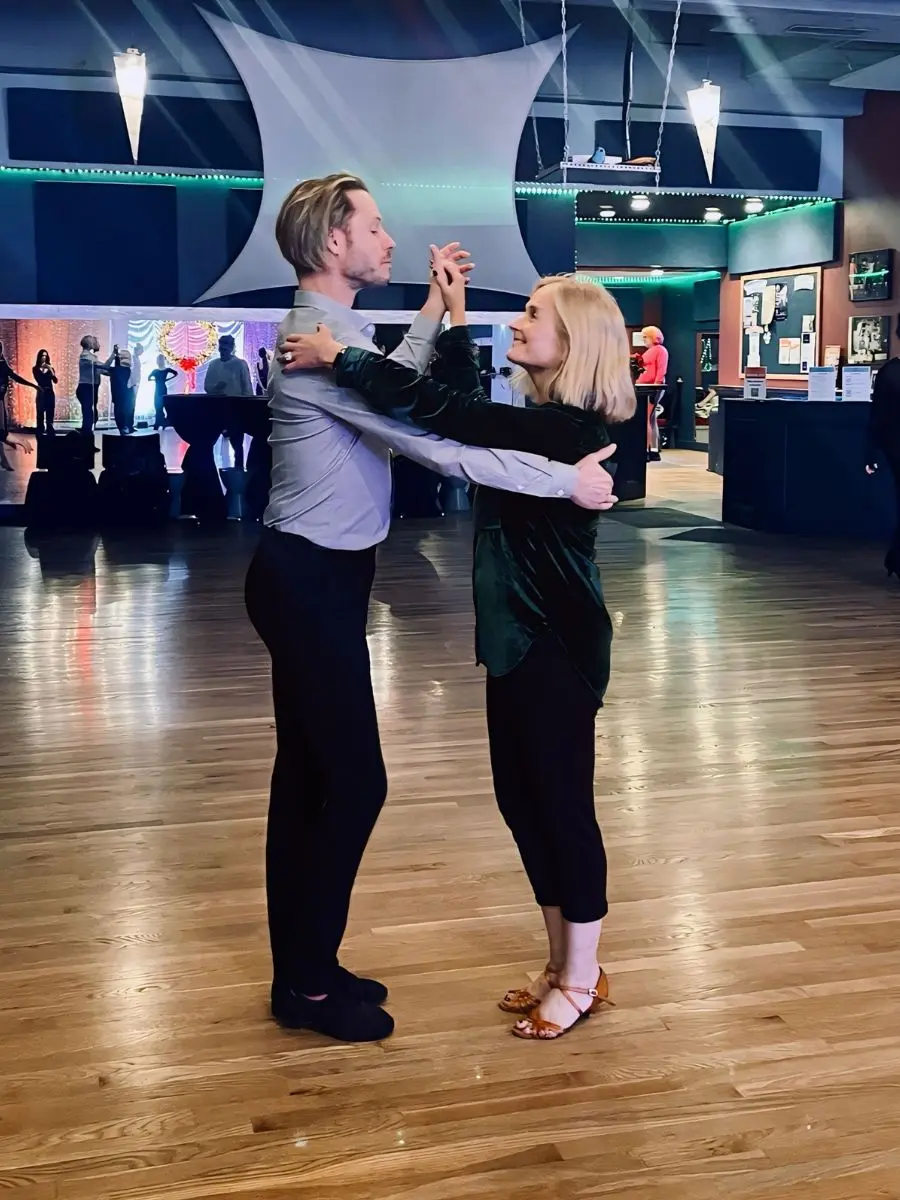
{"x": 460, "y": 411}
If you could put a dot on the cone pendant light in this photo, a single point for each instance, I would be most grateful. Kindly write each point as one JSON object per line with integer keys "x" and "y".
{"x": 705, "y": 103}
{"x": 131, "y": 79}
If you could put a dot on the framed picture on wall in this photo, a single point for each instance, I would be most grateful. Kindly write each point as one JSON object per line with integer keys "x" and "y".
{"x": 871, "y": 276}
{"x": 869, "y": 340}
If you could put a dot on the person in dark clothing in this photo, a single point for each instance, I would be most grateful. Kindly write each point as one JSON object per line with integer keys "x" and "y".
{"x": 7, "y": 441}
{"x": 883, "y": 445}
{"x": 45, "y": 378}
{"x": 262, "y": 371}
{"x": 121, "y": 390}
{"x": 161, "y": 377}
{"x": 542, "y": 628}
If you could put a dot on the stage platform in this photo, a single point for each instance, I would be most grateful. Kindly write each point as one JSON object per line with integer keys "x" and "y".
{"x": 747, "y": 786}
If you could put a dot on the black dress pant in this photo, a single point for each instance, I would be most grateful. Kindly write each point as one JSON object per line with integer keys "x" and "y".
{"x": 123, "y": 410}
{"x": 87, "y": 398}
{"x": 46, "y": 410}
{"x": 893, "y": 555}
{"x": 309, "y": 605}
{"x": 541, "y": 719}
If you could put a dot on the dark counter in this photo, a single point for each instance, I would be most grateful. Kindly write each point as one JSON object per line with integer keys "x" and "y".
{"x": 798, "y": 467}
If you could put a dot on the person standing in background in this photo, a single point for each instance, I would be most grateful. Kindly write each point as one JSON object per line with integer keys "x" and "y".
{"x": 8, "y": 376}
{"x": 884, "y": 443}
{"x": 90, "y": 371}
{"x": 7, "y": 441}
{"x": 45, "y": 378}
{"x": 161, "y": 377}
{"x": 122, "y": 391}
{"x": 262, "y": 371}
{"x": 229, "y": 375}
{"x": 655, "y": 368}
{"x": 136, "y": 368}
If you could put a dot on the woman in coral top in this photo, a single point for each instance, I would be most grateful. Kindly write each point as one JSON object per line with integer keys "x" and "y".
{"x": 655, "y": 366}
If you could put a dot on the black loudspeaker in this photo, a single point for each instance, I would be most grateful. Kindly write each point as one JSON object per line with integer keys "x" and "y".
{"x": 70, "y": 452}
{"x": 134, "y": 485}
{"x": 137, "y": 454}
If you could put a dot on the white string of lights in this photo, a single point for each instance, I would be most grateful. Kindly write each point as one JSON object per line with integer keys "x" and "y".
{"x": 534, "y": 124}
{"x": 665, "y": 103}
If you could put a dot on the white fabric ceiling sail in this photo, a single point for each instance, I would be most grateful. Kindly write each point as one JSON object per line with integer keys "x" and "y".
{"x": 436, "y": 141}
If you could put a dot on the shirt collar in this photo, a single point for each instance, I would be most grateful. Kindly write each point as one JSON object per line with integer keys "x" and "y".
{"x": 327, "y": 305}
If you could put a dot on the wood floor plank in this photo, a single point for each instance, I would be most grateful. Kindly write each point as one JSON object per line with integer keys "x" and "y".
{"x": 748, "y": 762}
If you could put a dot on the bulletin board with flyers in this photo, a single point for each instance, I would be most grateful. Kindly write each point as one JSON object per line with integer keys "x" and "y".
{"x": 781, "y": 317}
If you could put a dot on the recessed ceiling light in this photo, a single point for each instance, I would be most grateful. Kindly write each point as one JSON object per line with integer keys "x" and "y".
{"x": 640, "y": 203}
{"x": 607, "y": 213}
{"x": 712, "y": 215}
{"x": 754, "y": 204}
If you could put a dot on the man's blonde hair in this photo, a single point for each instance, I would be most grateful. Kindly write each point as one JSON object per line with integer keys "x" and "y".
{"x": 595, "y": 372}
{"x": 308, "y": 215}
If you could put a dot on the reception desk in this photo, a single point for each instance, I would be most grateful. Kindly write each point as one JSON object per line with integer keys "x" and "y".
{"x": 798, "y": 467}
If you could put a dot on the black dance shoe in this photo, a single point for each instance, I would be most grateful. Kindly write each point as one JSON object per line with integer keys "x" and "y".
{"x": 337, "y": 1016}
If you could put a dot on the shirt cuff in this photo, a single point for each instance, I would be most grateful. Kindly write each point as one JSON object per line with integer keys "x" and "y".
{"x": 565, "y": 480}
{"x": 424, "y": 328}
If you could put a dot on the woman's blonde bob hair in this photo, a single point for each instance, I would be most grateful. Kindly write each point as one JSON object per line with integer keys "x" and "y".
{"x": 595, "y": 372}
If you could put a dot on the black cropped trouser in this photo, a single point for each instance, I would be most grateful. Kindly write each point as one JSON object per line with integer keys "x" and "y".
{"x": 309, "y": 605}
{"x": 541, "y": 719}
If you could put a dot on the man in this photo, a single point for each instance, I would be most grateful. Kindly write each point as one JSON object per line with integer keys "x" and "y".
{"x": 90, "y": 370}
{"x": 308, "y": 594}
{"x": 229, "y": 375}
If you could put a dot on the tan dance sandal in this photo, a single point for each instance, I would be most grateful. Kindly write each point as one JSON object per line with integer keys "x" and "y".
{"x": 521, "y": 1000}
{"x": 535, "y": 1028}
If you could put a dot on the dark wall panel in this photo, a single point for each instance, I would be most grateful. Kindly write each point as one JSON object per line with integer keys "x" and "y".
{"x": 47, "y": 125}
{"x": 106, "y": 244}
{"x": 802, "y": 237}
{"x": 684, "y": 247}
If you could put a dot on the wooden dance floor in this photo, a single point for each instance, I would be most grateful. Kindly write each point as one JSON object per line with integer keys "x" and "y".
{"x": 749, "y": 789}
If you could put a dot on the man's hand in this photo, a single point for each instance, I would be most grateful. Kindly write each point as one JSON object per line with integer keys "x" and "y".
{"x": 309, "y": 351}
{"x": 595, "y": 484}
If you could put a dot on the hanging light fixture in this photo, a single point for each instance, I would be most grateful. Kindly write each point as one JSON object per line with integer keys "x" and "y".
{"x": 131, "y": 80}
{"x": 754, "y": 205}
{"x": 713, "y": 215}
{"x": 705, "y": 104}
{"x": 607, "y": 212}
{"x": 640, "y": 203}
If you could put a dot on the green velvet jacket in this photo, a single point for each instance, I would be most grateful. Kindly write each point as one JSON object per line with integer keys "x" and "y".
{"x": 534, "y": 569}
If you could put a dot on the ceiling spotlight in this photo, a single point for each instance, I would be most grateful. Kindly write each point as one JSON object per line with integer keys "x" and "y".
{"x": 712, "y": 215}
{"x": 754, "y": 205}
{"x": 640, "y": 203}
{"x": 607, "y": 213}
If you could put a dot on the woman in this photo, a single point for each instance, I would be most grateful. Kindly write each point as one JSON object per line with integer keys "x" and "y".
{"x": 542, "y": 629}
{"x": 45, "y": 378}
{"x": 654, "y": 366}
{"x": 262, "y": 371}
{"x": 7, "y": 441}
{"x": 121, "y": 390}
{"x": 884, "y": 443}
{"x": 160, "y": 378}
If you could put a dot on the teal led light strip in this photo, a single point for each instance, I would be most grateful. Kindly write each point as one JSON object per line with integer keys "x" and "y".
{"x": 641, "y": 280}
{"x": 620, "y": 221}
{"x": 123, "y": 175}
{"x": 778, "y": 212}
